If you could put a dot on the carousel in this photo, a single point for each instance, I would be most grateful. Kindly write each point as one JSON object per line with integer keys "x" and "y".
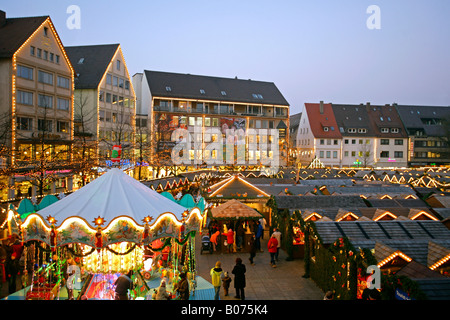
{"x": 78, "y": 246}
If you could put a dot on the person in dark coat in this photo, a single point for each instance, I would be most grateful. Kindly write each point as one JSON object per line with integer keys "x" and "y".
{"x": 239, "y": 279}
{"x": 252, "y": 243}
{"x": 182, "y": 287}
{"x": 123, "y": 284}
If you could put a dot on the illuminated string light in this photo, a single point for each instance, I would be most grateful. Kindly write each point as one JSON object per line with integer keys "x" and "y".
{"x": 392, "y": 257}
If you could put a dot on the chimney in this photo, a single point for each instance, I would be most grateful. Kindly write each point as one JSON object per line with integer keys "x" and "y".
{"x": 2, "y": 18}
{"x": 368, "y": 104}
{"x": 321, "y": 107}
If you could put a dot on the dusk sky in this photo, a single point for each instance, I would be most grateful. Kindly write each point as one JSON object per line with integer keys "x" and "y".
{"x": 311, "y": 50}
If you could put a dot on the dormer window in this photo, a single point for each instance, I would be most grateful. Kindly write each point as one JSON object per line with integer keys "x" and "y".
{"x": 384, "y": 130}
{"x": 168, "y": 89}
{"x": 202, "y": 91}
{"x": 394, "y": 130}
{"x": 325, "y": 129}
{"x": 362, "y": 130}
{"x": 223, "y": 93}
{"x": 257, "y": 96}
{"x": 351, "y": 130}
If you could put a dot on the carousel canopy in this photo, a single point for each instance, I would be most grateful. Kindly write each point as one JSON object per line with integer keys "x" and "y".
{"x": 234, "y": 209}
{"x": 112, "y": 195}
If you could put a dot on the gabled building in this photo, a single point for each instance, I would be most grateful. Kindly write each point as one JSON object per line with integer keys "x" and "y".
{"x": 358, "y": 135}
{"x": 36, "y": 89}
{"x": 319, "y": 135}
{"x": 428, "y": 129}
{"x": 104, "y": 102}
{"x": 214, "y": 104}
{"x": 294, "y": 121}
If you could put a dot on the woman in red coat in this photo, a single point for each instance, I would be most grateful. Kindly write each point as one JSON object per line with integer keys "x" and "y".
{"x": 272, "y": 247}
{"x": 230, "y": 239}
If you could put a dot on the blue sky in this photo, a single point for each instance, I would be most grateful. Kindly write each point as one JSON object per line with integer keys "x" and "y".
{"x": 312, "y": 50}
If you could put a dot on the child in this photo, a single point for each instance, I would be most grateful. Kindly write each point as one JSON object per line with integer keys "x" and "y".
{"x": 226, "y": 283}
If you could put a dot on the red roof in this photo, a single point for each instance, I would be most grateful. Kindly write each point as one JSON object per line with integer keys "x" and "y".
{"x": 318, "y": 121}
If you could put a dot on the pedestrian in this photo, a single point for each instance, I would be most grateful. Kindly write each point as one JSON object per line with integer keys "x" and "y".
{"x": 226, "y": 283}
{"x": 252, "y": 245}
{"x": 239, "y": 279}
{"x": 123, "y": 284}
{"x": 262, "y": 222}
{"x": 272, "y": 247}
{"x": 11, "y": 270}
{"x": 230, "y": 239}
{"x": 277, "y": 234}
{"x": 258, "y": 235}
{"x": 213, "y": 239}
{"x": 240, "y": 232}
{"x": 162, "y": 293}
{"x": 216, "y": 275}
{"x": 182, "y": 287}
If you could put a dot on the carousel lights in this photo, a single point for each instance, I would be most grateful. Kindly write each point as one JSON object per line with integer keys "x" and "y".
{"x": 147, "y": 219}
{"x": 51, "y": 220}
{"x": 98, "y": 221}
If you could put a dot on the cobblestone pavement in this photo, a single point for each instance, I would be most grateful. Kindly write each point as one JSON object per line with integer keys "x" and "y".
{"x": 263, "y": 282}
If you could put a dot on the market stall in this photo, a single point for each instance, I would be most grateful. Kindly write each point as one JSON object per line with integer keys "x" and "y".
{"x": 111, "y": 225}
{"x": 237, "y": 216}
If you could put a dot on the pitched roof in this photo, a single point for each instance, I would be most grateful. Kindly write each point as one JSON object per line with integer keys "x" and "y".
{"x": 413, "y": 117}
{"x": 353, "y": 117}
{"x": 318, "y": 201}
{"x": 318, "y": 120}
{"x": 234, "y": 90}
{"x": 90, "y": 63}
{"x": 386, "y": 117}
{"x": 234, "y": 209}
{"x": 236, "y": 187}
{"x": 15, "y": 31}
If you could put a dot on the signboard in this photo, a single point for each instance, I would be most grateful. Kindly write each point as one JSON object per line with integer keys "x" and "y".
{"x": 401, "y": 295}
{"x": 116, "y": 152}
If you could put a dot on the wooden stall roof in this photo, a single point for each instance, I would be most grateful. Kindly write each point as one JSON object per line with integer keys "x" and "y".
{"x": 234, "y": 209}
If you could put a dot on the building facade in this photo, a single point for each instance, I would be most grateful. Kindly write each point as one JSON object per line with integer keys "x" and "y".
{"x": 104, "y": 103}
{"x": 361, "y": 135}
{"x": 252, "y": 110}
{"x": 428, "y": 131}
{"x": 36, "y": 96}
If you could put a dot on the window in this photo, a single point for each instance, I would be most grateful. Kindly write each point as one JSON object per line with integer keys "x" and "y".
{"x": 108, "y": 116}
{"x": 63, "y": 82}
{"x": 394, "y": 130}
{"x": 384, "y": 142}
{"x": 118, "y": 64}
{"x": 45, "y": 101}
{"x": 384, "y": 154}
{"x": 45, "y": 57}
{"x": 62, "y": 126}
{"x": 201, "y": 91}
{"x": 39, "y": 53}
{"x": 115, "y": 81}
{"x": 45, "y": 77}
{"x": 63, "y": 104}
{"x": 24, "y": 124}
{"x": 398, "y": 154}
{"x": 328, "y": 154}
{"x": 108, "y": 97}
{"x": 108, "y": 79}
{"x": 207, "y": 122}
{"x": 361, "y": 141}
{"x": 25, "y": 72}
{"x": 215, "y": 122}
{"x": 257, "y": 96}
{"x": 322, "y": 141}
{"x": 101, "y": 115}
{"x": 45, "y": 125}
{"x": 321, "y": 154}
{"x": 345, "y": 153}
{"x": 362, "y": 130}
{"x": 57, "y": 59}
{"x": 32, "y": 50}
{"x": 353, "y": 141}
{"x": 334, "y": 154}
{"x": 223, "y": 93}
{"x": 168, "y": 89}
{"x": 384, "y": 130}
{"x": 127, "y": 85}
{"x": 121, "y": 83}
{"x": 351, "y": 130}
{"x": 353, "y": 153}
{"x": 24, "y": 97}
{"x": 325, "y": 129}
{"x": 52, "y": 57}
{"x": 398, "y": 142}
{"x": 101, "y": 96}
{"x": 45, "y": 31}
{"x": 114, "y": 99}
{"x": 346, "y": 141}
